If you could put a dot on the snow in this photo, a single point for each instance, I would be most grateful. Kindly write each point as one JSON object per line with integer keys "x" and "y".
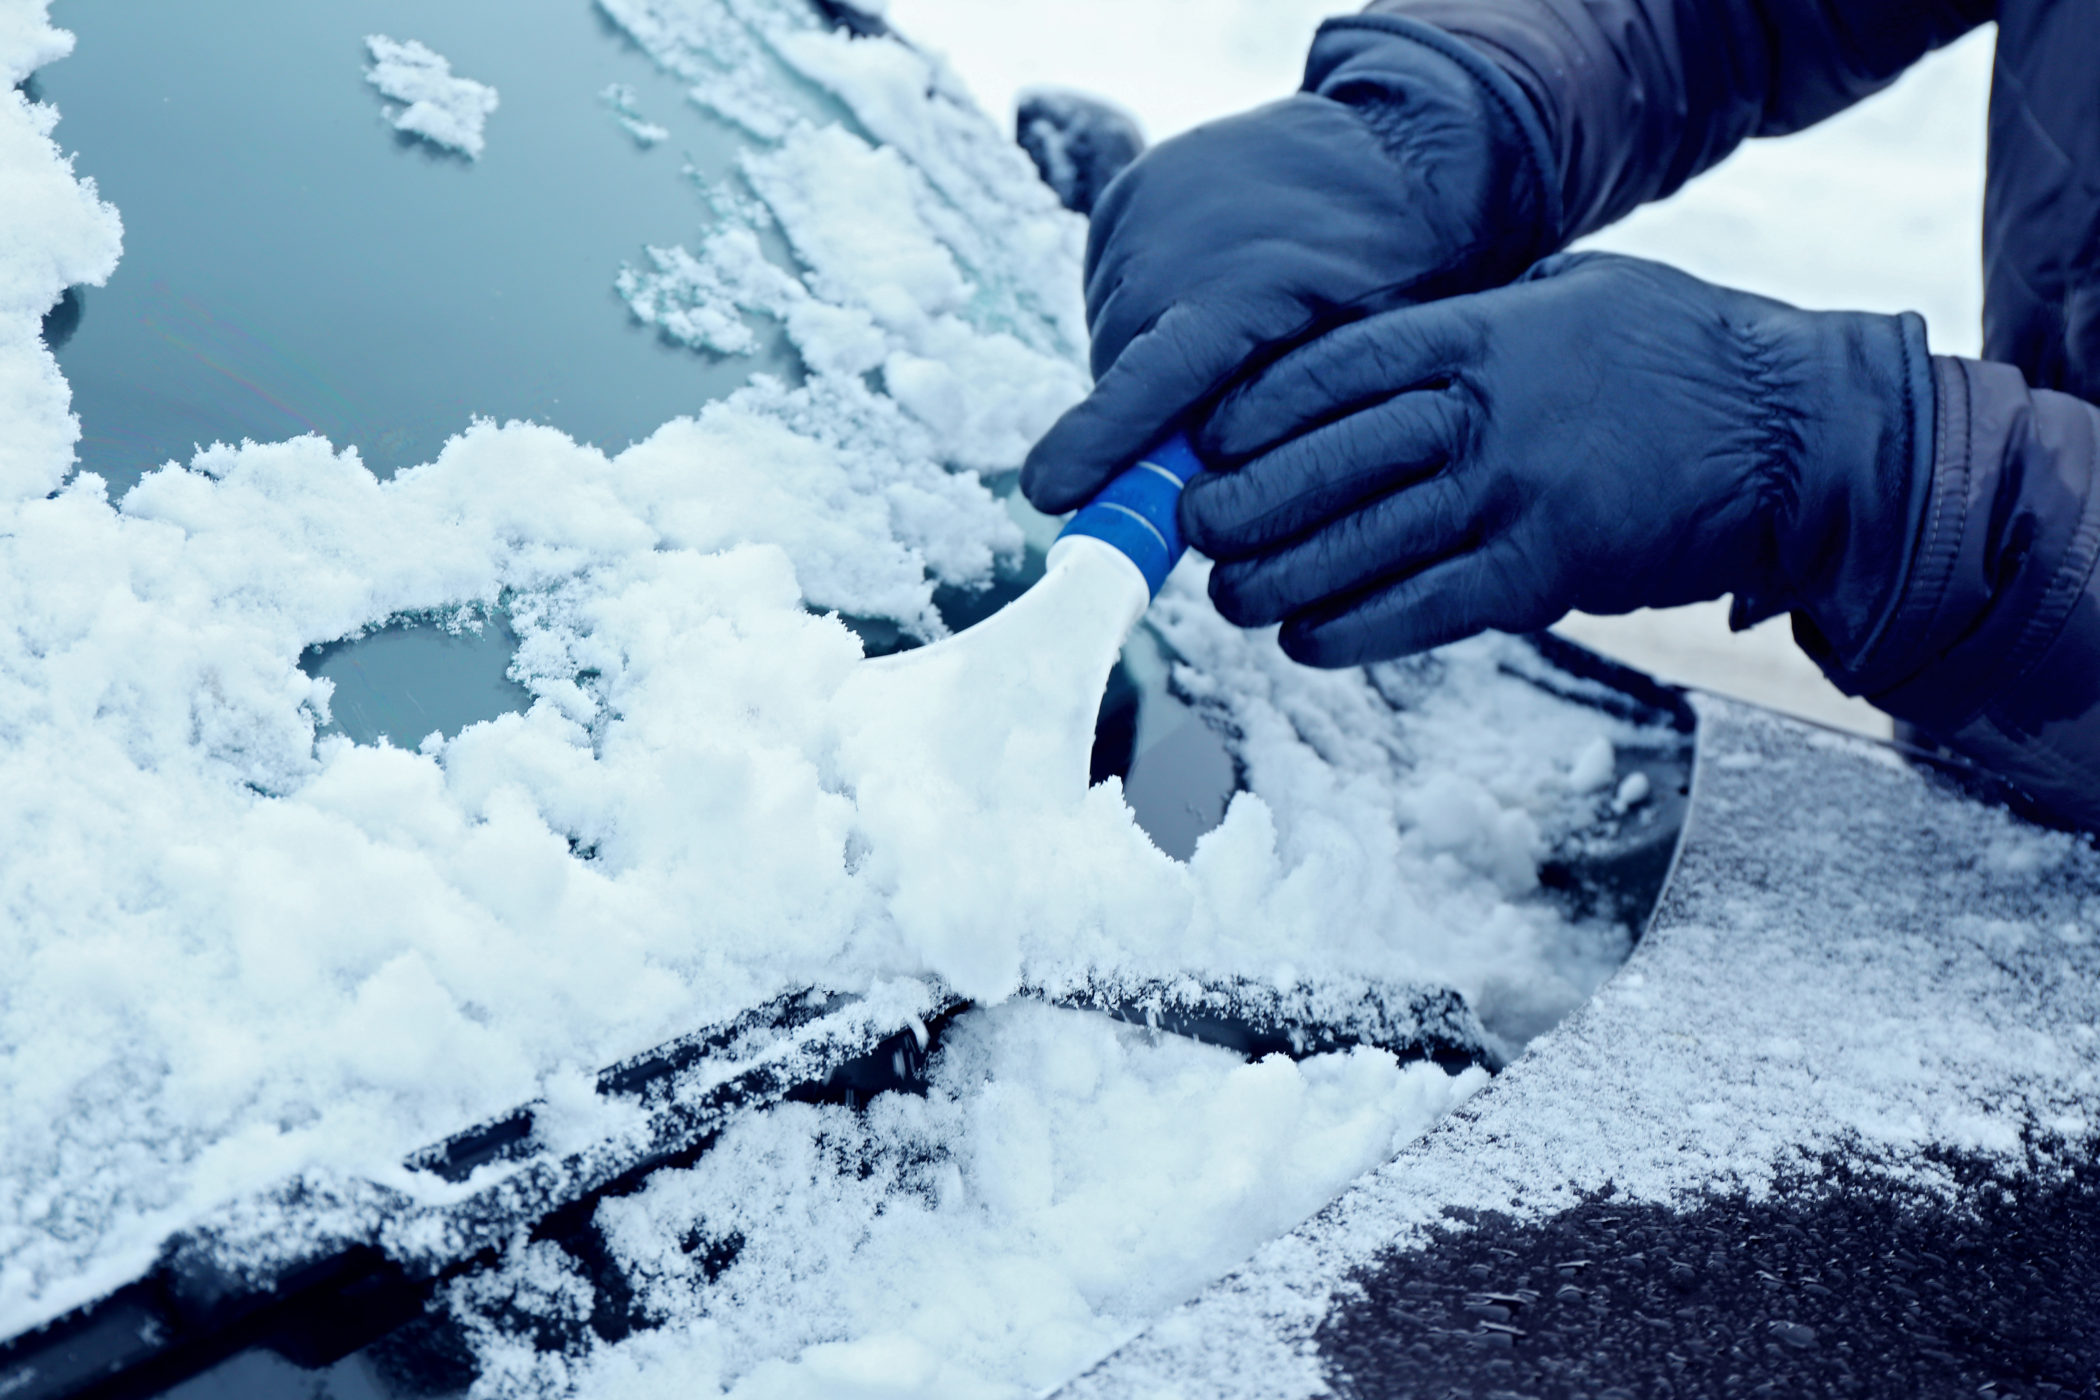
{"x": 621, "y": 98}
{"x": 1852, "y": 961}
{"x": 1593, "y": 767}
{"x": 1065, "y": 1179}
{"x": 238, "y": 952}
{"x": 54, "y": 232}
{"x": 448, "y": 112}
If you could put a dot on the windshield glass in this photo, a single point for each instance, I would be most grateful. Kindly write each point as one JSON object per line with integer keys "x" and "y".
{"x": 293, "y": 266}
{"x": 286, "y": 273}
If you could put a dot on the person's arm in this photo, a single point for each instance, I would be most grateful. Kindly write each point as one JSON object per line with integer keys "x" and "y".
{"x": 1638, "y": 96}
{"x": 1608, "y": 434}
{"x": 1992, "y": 643}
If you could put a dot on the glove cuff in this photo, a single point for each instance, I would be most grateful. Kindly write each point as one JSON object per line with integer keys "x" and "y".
{"x": 1853, "y": 396}
{"x": 1378, "y": 64}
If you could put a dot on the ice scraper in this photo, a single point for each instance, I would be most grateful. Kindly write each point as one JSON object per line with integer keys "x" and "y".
{"x": 991, "y": 731}
{"x": 1012, "y": 700}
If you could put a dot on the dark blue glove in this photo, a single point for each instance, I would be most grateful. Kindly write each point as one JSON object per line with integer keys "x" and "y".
{"x": 1410, "y": 165}
{"x": 1606, "y": 434}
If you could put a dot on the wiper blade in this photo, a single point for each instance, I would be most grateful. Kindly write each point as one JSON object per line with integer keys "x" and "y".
{"x": 320, "y": 1267}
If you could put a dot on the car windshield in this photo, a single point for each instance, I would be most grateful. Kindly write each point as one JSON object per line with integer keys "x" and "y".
{"x": 284, "y": 272}
{"x": 287, "y": 274}
{"x": 507, "y": 423}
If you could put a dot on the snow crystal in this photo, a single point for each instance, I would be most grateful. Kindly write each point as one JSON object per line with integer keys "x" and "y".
{"x": 238, "y": 950}
{"x": 446, "y": 111}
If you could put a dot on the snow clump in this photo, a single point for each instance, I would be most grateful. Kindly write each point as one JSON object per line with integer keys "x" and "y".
{"x": 54, "y": 233}
{"x": 620, "y": 97}
{"x": 446, "y": 111}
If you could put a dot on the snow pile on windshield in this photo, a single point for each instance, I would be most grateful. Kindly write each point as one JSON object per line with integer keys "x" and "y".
{"x": 54, "y": 233}
{"x": 446, "y": 111}
{"x": 237, "y": 952}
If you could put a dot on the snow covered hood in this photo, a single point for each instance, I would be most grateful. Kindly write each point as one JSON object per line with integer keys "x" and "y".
{"x": 1831, "y": 1130}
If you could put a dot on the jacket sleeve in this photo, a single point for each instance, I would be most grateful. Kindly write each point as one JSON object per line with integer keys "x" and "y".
{"x": 1638, "y": 96}
{"x": 1990, "y": 641}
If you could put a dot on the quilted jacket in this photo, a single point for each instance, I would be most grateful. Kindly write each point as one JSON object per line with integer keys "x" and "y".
{"x": 1982, "y": 630}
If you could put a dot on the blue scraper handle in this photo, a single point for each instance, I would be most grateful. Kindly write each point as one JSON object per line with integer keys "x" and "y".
{"x": 1135, "y": 512}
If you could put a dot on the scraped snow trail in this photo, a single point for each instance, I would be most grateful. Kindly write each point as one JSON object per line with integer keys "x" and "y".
{"x": 236, "y": 952}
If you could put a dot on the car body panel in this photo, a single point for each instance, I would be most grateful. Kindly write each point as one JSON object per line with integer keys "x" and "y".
{"x": 1829, "y": 1131}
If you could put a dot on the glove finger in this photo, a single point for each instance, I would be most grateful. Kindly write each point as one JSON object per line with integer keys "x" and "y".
{"x": 1444, "y": 603}
{"x": 1342, "y": 372}
{"x": 1161, "y": 376}
{"x": 1392, "y": 537}
{"x": 1310, "y": 480}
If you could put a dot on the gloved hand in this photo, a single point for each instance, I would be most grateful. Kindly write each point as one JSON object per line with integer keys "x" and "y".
{"x": 1605, "y": 434}
{"x": 1408, "y": 164}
